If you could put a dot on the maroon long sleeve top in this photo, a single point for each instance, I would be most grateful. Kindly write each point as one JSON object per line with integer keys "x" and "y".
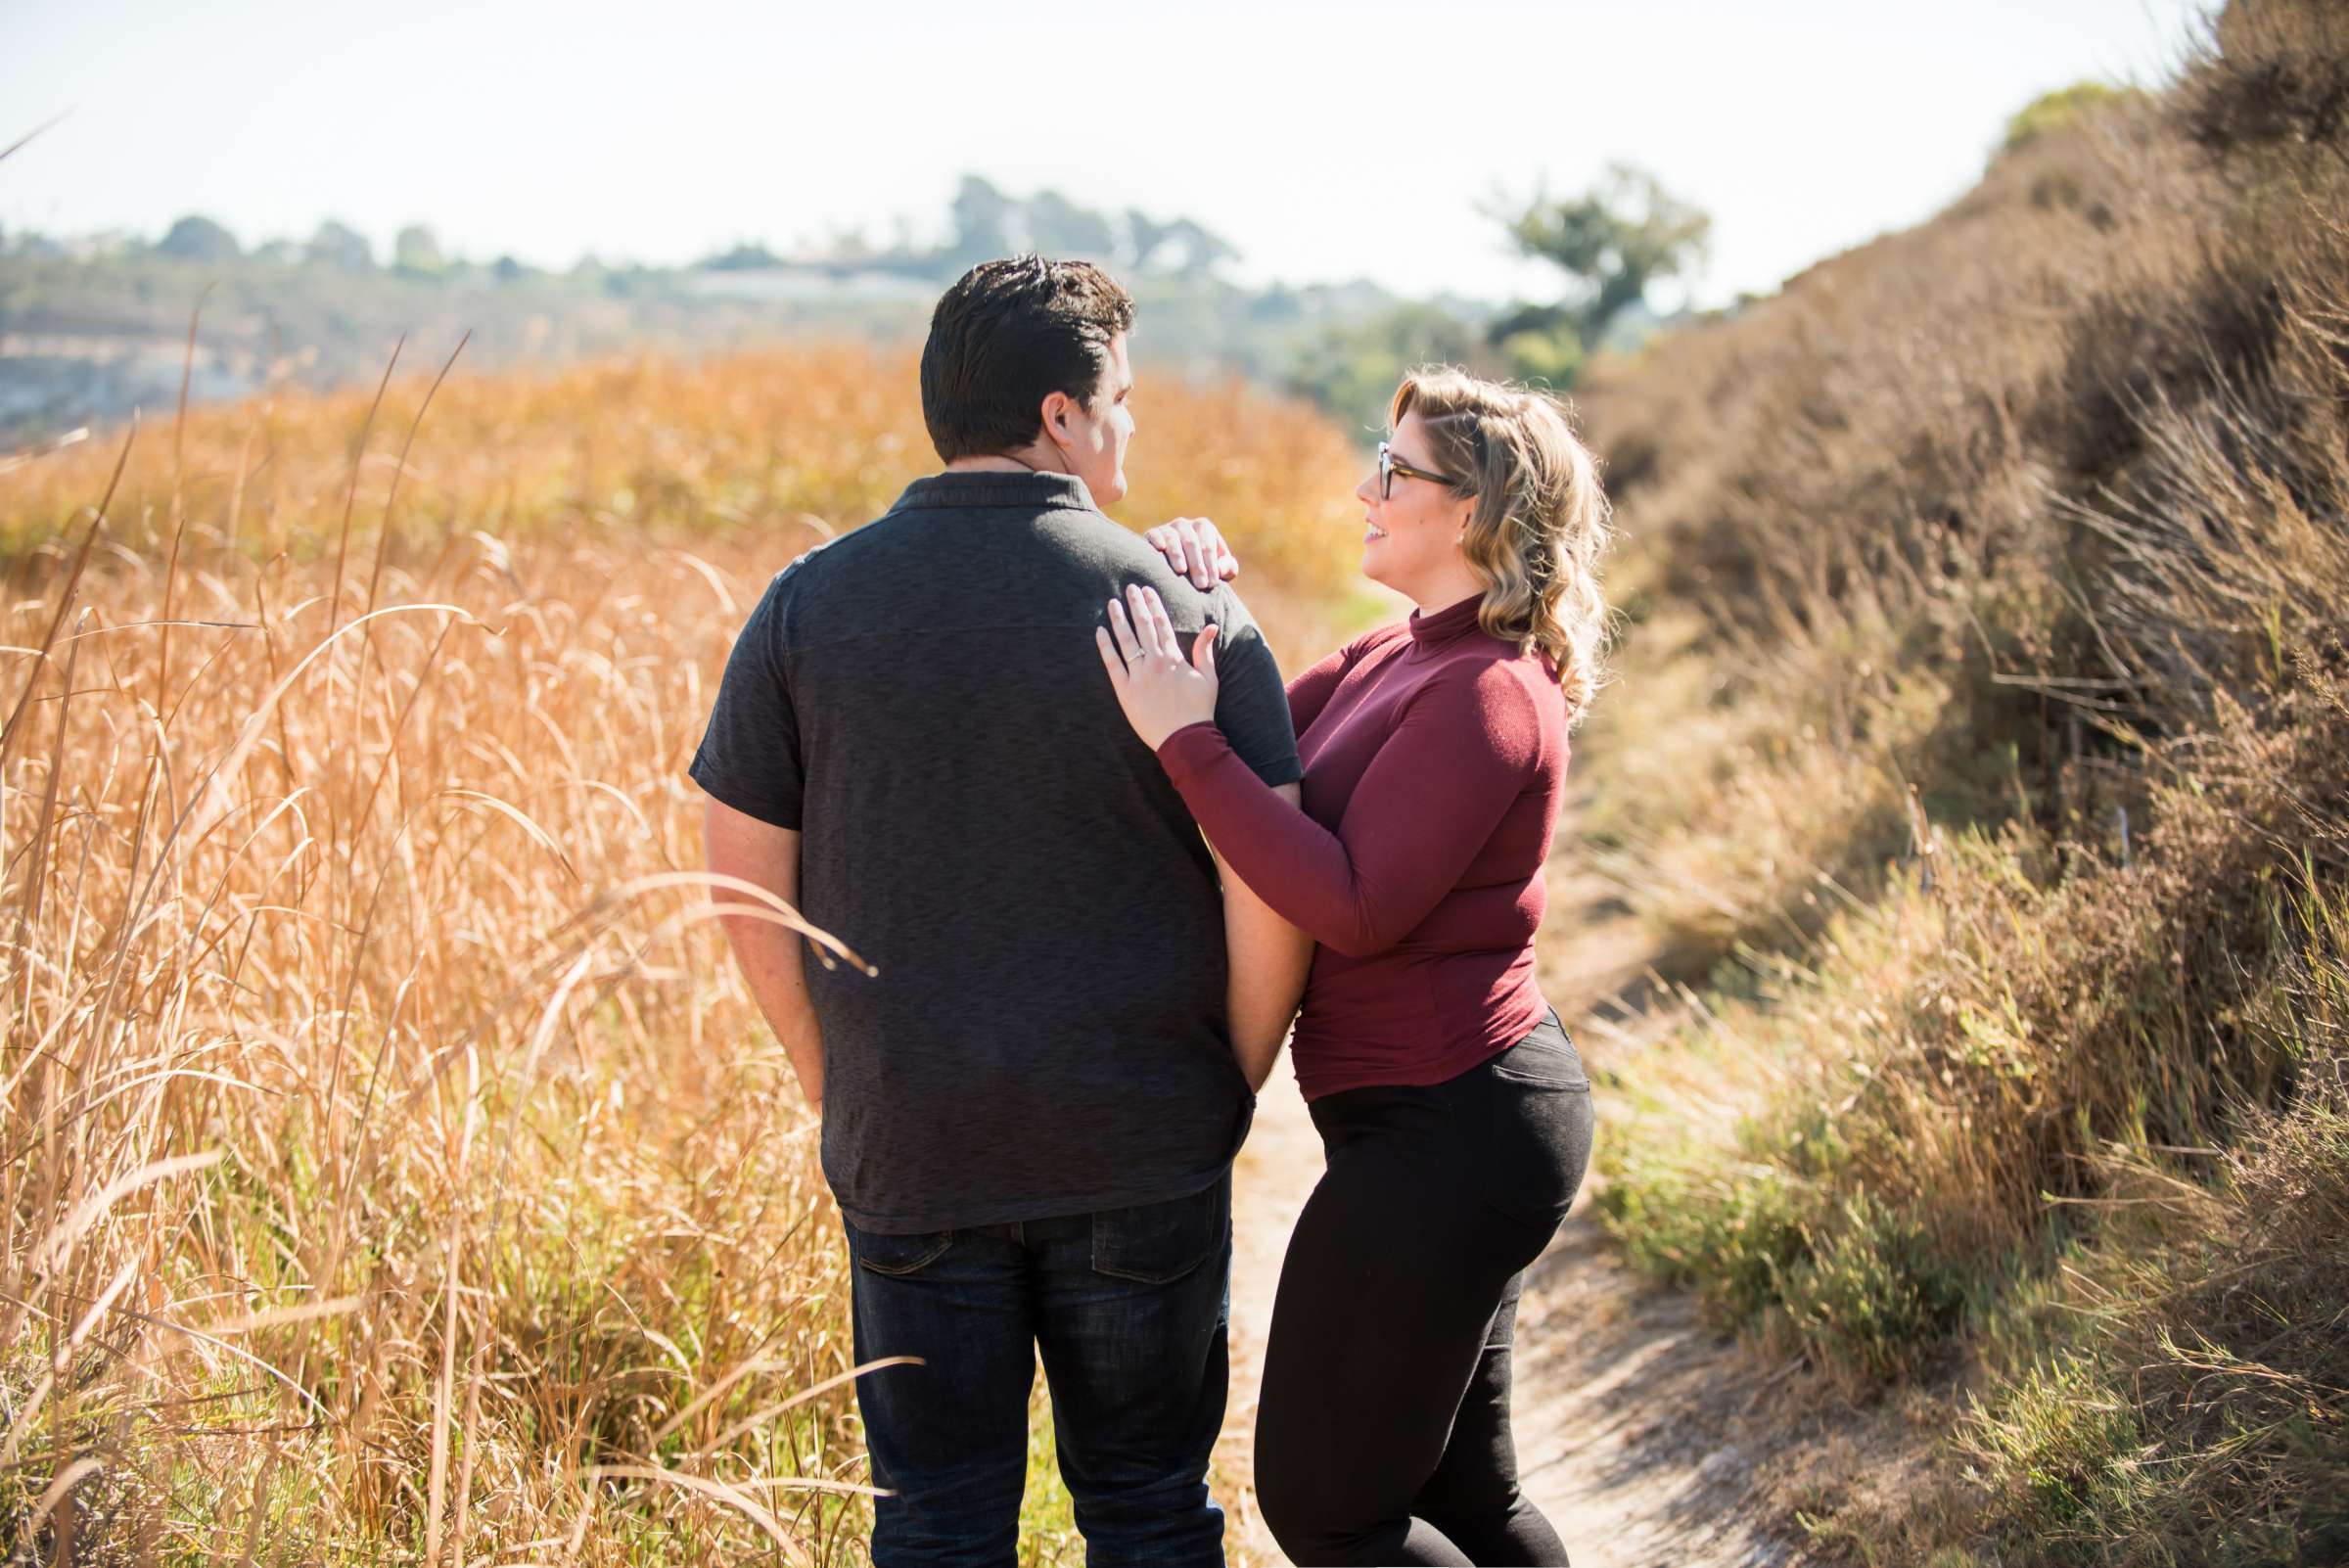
{"x": 1435, "y": 758}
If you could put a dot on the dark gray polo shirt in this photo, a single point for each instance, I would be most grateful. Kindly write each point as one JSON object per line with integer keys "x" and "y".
{"x": 923, "y": 701}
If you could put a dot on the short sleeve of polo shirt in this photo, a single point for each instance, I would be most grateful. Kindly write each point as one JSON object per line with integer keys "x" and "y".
{"x": 750, "y": 753}
{"x": 1252, "y": 705}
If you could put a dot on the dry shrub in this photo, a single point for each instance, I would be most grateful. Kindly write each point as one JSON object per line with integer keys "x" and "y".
{"x": 2277, "y": 74}
{"x": 2186, "y": 1404}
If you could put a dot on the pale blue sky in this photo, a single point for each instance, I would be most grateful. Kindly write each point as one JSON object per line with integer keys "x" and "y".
{"x": 1325, "y": 141}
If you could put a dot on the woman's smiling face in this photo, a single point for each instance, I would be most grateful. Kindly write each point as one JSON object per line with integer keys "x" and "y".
{"x": 1412, "y": 542}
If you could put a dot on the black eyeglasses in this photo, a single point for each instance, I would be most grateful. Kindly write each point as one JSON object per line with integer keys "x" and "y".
{"x": 1389, "y": 465}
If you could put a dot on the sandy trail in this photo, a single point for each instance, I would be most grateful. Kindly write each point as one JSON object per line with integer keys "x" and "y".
{"x": 1628, "y": 1411}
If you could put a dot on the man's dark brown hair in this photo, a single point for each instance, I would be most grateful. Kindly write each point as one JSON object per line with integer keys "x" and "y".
{"x": 1008, "y": 335}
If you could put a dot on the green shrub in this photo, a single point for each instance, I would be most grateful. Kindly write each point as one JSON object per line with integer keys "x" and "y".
{"x": 2060, "y": 110}
{"x": 1875, "y": 1297}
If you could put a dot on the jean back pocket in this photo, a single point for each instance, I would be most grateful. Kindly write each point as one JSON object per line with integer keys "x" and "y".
{"x": 896, "y": 1256}
{"x": 1157, "y": 1242}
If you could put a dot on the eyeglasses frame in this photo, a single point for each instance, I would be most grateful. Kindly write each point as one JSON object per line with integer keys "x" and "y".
{"x": 1389, "y": 465}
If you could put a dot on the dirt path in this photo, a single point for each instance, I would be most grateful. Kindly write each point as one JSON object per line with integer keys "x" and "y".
{"x": 1632, "y": 1419}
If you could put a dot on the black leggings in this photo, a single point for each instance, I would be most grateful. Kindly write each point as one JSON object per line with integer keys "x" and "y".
{"x": 1383, "y": 1431}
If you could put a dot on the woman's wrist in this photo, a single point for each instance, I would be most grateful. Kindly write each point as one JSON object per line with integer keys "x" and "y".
{"x": 1191, "y": 753}
{"x": 1205, "y": 725}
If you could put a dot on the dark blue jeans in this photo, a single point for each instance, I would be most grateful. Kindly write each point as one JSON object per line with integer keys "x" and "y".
{"x": 1128, "y": 1308}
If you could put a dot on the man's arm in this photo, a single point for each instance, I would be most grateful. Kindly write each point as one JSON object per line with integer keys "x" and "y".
{"x": 1267, "y": 959}
{"x": 742, "y": 846}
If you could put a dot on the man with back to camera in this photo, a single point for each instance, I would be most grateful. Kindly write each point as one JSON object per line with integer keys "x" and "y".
{"x": 1030, "y": 1113}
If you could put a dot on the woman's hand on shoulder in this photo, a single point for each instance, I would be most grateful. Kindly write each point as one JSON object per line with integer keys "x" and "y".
{"x": 1158, "y": 690}
{"x": 1195, "y": 549}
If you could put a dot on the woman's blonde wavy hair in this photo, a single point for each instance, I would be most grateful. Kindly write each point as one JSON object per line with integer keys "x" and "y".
{"x": 1541, "y": 520}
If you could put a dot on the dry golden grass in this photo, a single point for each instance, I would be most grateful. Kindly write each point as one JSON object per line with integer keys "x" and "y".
{"x": 397, "y": 1166}
{"x": 762, "y": 453}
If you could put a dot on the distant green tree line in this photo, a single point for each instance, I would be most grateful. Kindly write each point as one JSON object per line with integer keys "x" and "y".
{"x": 1612, "y": 243}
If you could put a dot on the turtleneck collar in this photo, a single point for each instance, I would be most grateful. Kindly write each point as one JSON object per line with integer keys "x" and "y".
{"x": 1447, "y": 625}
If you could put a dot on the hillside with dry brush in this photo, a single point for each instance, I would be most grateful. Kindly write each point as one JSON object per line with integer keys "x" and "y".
{"x": 1978, "y": 783}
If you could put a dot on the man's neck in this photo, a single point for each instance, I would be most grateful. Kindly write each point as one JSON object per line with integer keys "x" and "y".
{"x": 1038, "y": 459}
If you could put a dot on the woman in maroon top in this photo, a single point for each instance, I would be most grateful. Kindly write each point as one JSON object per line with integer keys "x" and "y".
{"x": 1453, "y": 1108}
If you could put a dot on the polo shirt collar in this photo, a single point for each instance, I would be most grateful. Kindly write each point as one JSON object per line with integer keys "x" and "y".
{"x": 1028, "y": 491}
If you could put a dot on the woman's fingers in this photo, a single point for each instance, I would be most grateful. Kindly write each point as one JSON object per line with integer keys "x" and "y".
{"x": 1161, "y": 625}
{"x": 1120, "y": 626}
{"x": 1141, "y": 629}
{"x": 1195, "y": 550}
{"x": 1197, "y": 534}
{"x": 1167, "y": 542}
{"x": 1211, "y": 554}
{"x": 1110, "y": 659}
{"x": 1145, "y": 627}
{"x": 1206, "y": 551}
{"x": 1145, "y": 624}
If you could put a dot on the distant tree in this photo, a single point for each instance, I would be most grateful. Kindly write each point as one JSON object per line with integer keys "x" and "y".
{"x": 988, "y": 222}
{"x": 1352, "y": 370}
{"x": 1543, "y": 358}
{"x": 1203, "y": 250}
{"x": 1058, "y": 228}
{"x": 283, "y": 251}
{"x": 746, "y": 256}
{"x": 2058, "y": 110}
{"x": 1612, "y": 242}
{"x": 629, "y": 281}
{"x": 1145, "y": 237}
{"x": 417, "y": 252}
{"x": 1277, "y": 303}
{"x": 982, "y": 218}
{"x": 508, "y": 270}
{"x": 336, "y": 245}
{"x": 196, "y": 238}
{"x": 847, "y": 246}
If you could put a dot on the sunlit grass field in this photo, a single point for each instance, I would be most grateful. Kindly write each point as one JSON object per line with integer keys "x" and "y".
{"x": 397, "y": 1166}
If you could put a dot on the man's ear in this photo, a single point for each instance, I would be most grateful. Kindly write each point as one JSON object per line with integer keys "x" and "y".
{"x": 1055, "y": 411}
